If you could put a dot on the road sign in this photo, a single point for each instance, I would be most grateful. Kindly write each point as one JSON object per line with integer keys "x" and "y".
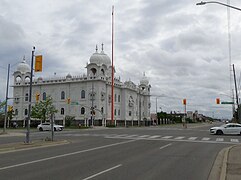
{"x": 227, "y": 102}
{"x": 74, "y": 103}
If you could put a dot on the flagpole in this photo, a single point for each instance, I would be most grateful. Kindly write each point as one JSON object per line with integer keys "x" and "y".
{"x": 112, "y": 67}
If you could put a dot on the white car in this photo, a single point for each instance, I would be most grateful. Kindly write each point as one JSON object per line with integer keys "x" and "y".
{"x": 230, "y": 128}
{"x": 47, "y": 127}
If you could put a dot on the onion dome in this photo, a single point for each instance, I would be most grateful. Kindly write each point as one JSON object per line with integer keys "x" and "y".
{"x": 68, "y": 76}
{"x": 23, "y": 67}
{"x": 144, "y": 80}
{"x": 100, "y": 58}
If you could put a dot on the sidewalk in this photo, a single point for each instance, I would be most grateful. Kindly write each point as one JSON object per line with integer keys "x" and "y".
{"x": 227, "y": 165}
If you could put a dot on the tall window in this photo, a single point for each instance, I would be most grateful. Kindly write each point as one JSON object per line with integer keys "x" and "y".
{"x": 16, "y": 111}
{"x": 62, "y": 111}
{"x": 44, "y": 96}
{"x": 26, "y": 97}
{"x": 82, "y": 111}
{"x": 115, "y": 112}
{"x": 25, "y": 112}
{"x": 82, "y": 94}
{"x": 118, "y": 98}
{"x": 119, "y": 112}
{"x": 115, "y": 97}
{"x": 62, "y": 95}
{"x": 129, "y": 113}
{"x": 102, "y": 110}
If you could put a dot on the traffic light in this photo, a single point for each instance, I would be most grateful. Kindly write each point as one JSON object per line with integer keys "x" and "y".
{"x": 68, "y": 100}
{"x": 217, "y": 100}
{"x": 37, "y": 97}
{"x": 10, "y": 108}
{"x": 184, "y": 101}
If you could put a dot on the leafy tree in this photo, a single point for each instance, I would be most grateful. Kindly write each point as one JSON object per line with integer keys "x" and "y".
{"x": 43, "y": 109}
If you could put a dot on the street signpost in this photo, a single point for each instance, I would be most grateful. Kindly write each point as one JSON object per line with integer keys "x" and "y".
{"x": 227, "y": 102}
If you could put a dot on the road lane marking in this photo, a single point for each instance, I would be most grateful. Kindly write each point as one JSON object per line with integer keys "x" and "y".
{"x": 165, "y": 146}
{"x": 166, "y": 137}
{"x": 156, "y": 136}
{"x": 192, "y": 138}
{"x": 219, "y": 139}
{"x": 144, "y": 136}
{"x": 180, "y": 137}
{"x": 64, "y": 155}
{"x": 102, "y": 172}
{"x": 205, "y": 139}
{"x": 234, "y": 140}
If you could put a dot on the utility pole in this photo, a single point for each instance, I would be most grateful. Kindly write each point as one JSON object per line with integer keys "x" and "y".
{"x": 236, "y": 91}
{"x": 30, "y": 99}
{"x": 6, "y": 105}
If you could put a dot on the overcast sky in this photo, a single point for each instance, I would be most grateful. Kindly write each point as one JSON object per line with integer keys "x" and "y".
{"x": 181, "y": 47}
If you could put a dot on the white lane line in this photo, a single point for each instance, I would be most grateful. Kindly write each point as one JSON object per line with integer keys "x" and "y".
{"x": 130, "y": 136}
{"x": 192, "y": 138}
{"x": 144, "y": 136}
{"x": 165, "y": 146}
{"x": 166, "y": 137}
{"x": 153, "y": 137}
{"x": 64, "y": 155}
{"x": 234, "y": 140}
{"x": 180, "y": 137}
{"x": 205, "y": 139}
{"x": 102, "y": 172}
{"x": 219, "y": 139}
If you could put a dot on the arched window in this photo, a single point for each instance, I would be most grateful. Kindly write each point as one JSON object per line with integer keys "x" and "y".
{"x": 82, "y": 110}
{"x": 26, "y": 97}
{"x": 119, "y": 112}
{"x": 118, "y": 98}
{"x": 102, "y": 110}
{"x": 44, "y": 96}
{"x": 62, "y": 111}
{"x": 115, "y": 112}
{"x": 16, "y": 112}
{"x": 62, "y": 95}
{"x": 83, "y": 94}
{"x": 25, "y": 112}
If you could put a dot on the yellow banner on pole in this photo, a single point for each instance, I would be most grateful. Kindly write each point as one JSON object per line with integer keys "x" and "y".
{"x": 38, "y": 63}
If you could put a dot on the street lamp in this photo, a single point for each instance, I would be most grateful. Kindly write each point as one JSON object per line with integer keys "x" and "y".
{"x": 216, "y": 2}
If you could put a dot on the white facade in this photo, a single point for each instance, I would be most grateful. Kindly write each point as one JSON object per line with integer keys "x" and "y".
{"x": 131, "y": 101}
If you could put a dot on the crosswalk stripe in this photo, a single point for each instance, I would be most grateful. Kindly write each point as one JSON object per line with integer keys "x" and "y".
{"x": 130, "y": 136}
{"x": 180, "y": 137}
{"x": 192, "y": 138}
{"x": 205, "y": 139}
{"x": 156, "y": 136}
{"x": 234, "y": 140}
{"x": 219, "y": 139}
{"x": 144, "y": 136}
{"x": 167, "y": 137}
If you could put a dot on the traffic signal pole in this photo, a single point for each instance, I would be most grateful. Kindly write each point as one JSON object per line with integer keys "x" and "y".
{"x": 6, "y": 103}
{"x": 236, "y": 91}
{"x": 30, "y": 99}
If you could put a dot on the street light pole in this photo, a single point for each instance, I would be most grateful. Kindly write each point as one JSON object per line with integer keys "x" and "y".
{"x": 216, "y": 2}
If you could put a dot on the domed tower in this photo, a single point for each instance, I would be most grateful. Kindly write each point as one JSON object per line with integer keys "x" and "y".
{"x": 22, "y": 73}
{"x": 99, "y": 65}
{"x": 144, "y": 85}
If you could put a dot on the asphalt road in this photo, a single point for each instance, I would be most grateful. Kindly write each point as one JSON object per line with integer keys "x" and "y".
{"x": 154, "y": 153}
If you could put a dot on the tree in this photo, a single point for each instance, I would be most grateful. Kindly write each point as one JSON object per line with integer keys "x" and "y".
{"x": 44, "y": 109}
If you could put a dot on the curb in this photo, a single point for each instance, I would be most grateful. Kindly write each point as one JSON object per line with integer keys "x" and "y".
{"x": 219, "y": 169}
{"x": 7, "y": 148}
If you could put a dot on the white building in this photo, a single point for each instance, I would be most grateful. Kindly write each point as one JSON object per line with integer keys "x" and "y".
{"x": 131, "y": 101}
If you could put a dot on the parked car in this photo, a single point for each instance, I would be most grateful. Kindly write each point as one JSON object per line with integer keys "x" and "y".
{"x": 47, "y": 127}
{"x": 230, "y": 128}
